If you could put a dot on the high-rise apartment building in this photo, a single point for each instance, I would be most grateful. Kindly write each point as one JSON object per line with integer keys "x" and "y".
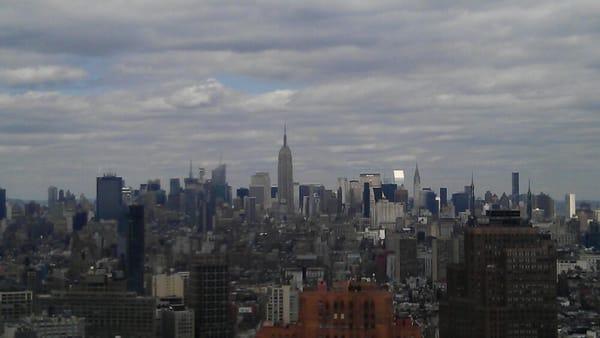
{"x": 507, "y": 284}
{"x": 285, "y": 177}
{"x": 209, "y": 296}
{"x": 109, "y": 198}
{"x": 570, "y": 205}
{"x": 405, "y": 256}
{"x": 282, "y": 306}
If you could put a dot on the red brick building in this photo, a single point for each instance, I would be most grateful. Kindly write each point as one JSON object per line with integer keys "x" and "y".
{"x": 349, "y": 310}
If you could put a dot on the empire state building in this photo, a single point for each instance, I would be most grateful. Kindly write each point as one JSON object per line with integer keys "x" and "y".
{"x": 285, "y": 178}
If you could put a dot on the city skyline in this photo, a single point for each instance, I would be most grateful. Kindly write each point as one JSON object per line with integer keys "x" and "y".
{"x": 490, "y": 88}
{"x": 387, "y": 174}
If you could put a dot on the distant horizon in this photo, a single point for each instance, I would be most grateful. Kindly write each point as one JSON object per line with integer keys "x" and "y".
{"x": 407, "y": 183}
{"x": 484, "y": 87}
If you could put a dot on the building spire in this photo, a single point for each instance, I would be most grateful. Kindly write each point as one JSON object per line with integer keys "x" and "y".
{"x": 284, "y": 135}
{"x": 191, "y": 173}
{"x": 417, "y": 177}
{"x": 529, "y": 202}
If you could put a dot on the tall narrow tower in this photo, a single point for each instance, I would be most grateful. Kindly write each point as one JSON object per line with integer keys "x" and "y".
{"x": 529, "y": 203}
{"x": 285, "y": 179}
{"x": 417, "y": 190}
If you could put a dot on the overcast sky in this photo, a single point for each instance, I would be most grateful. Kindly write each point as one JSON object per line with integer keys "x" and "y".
{"x": 142, "y": 87}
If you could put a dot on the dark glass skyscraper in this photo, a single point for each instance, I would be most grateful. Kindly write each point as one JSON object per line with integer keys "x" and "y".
{"x": 366, "y": 200}
{"x": 515, "y": 188}
{"x": 507, "y": 285}
{"x": 109, "y": 198}
{"x": 460, "y": 201}
{"x": 2, "y": 204}
{"x": 443, "y": 197}
{"x": 209, "y": 296}
{"x": 135, "y": 249}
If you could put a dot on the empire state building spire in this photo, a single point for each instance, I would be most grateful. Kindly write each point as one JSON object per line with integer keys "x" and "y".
{"x": 285, "y": 180}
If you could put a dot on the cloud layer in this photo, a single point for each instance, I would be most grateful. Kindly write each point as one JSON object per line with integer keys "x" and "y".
{"x": 486, "y": 87}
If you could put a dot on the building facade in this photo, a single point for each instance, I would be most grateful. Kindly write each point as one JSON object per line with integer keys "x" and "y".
{"x": 347, "y": 310}
{"x": 506, "y": 286}
{"x": 209, "y": 296}
{"x": 109, "y": 198}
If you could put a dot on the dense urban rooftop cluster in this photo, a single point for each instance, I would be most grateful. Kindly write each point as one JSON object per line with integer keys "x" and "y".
{"x": 363, "y": 259}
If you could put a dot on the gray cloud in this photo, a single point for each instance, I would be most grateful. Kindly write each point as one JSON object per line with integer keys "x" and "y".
{"x": 40, "y": 75}
{"x": 486, "y": 86}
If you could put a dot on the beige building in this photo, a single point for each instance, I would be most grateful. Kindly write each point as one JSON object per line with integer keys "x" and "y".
{"x": 169, "y": 285}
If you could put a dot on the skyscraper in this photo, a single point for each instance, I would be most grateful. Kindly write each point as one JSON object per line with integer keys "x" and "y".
{"x": 515, "y": 189}
{"x": 209, "y": 296}
{"x": 570, "y": 205}
{"x": 529, "y": 203}
{"x": 417, "y": 190}
{"x": 443, "y": 197}
{"x": 219, "y": 174}
{"x": 285, "y": 180}
{"x": 109, "y": 198}
{"x": 2, "y": 204}
{"x": 135, "y": 249}
{"x": 398, "y": 177}
{"x": 261, "y": 181}
{"x": 507, "y": 284}
{"x": 52, "y": 197}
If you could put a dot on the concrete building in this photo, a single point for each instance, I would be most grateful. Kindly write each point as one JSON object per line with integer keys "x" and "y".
{"x": 106, "y": 313}
{"x": 169, "y": 285}
{"x": 48, "y": 327}
{"x": 385, "y": 213}
{"x": 405, "y": 253}
{"x": 258, "y": 181}
{"x": 16, "y": 304}
{"x": 177, "y": 322}
{"x": 282, "y": 306}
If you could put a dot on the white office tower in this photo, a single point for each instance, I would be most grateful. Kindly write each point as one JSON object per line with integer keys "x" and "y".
{"x": 345, "y": 188}
{"x": 398, "y": 177}
{"x": 570, "y": 205}
{"x": 262, "y": 179}
{"x": 282, "y": 307}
